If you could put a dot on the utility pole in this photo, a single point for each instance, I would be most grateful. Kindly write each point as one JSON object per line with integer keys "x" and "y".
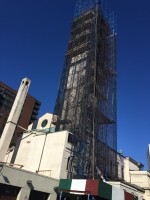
{"x": 13, "y": 118}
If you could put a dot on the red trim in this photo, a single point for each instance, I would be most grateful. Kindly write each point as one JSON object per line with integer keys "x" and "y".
{"x": 92, "y": 186}
{"x": 128, "y": 196}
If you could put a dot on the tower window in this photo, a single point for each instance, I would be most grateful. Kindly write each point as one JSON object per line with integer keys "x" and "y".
{"x": 44, "y": 123}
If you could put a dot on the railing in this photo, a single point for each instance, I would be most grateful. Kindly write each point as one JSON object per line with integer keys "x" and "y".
{"x": 44, "y": 172}
{"x": 12, "y": 164}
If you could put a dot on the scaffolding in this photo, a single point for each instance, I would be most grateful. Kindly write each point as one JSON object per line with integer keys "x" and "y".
{"x": 86, "y": 101}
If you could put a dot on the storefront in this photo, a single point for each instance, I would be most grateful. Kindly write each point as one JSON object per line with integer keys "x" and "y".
{"x": 91, "y": 190}
{"x": 8, "y": 192}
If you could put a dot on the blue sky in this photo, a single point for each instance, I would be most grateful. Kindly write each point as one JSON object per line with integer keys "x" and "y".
{"x": 33, "y": 40}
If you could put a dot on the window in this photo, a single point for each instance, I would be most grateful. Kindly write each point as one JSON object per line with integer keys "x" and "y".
{"x": 122, "y": 172}
{"x": 72, "y": 139}
{"x": 44, "y": 123}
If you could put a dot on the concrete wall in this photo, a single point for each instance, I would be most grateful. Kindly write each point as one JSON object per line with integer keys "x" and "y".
{"x": 30, "y": 147}
{"x": 18, "y": 177}
{"x": 133, "y": 166}
{"x": 55, "y": 155}
{"x": 46, "y": 154}
{"x": 142, "y": 179}
{"x": 30, "y": 151}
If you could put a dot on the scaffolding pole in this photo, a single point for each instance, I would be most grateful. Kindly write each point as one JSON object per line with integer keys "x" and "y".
{"x": 86, "y": 101}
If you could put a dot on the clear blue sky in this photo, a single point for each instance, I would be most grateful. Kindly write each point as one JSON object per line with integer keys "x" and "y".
{"x": 33, "y": 40}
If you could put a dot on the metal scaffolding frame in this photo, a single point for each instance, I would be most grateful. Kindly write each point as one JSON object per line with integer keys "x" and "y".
{"x": 86, "y": 101}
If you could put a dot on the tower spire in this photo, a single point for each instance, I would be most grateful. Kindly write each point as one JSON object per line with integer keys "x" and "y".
{"x": 84, "y": 5}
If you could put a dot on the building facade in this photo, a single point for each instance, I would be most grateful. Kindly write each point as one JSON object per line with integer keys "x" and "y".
{"x": 20, "y": 184}
{"x": 29, "y": 112}
{"x": 41, "y": 151}
{"x": 132, "y": 178}
{"x": 86, "y": 101}
{"x": 49, "y": 153}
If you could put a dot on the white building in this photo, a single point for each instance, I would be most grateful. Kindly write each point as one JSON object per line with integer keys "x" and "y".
{"x": 43, "y": 153}
{"x": 46, "y": 153}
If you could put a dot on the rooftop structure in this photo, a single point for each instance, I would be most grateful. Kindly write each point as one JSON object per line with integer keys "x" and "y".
{"x": 86, "y": 101}
{"x": 13, "y": 118}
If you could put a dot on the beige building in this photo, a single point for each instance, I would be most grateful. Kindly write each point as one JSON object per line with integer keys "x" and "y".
{"x": 132, "y": 178}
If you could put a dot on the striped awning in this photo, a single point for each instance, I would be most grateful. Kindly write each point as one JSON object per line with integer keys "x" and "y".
{"x": 94, "y": 188}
